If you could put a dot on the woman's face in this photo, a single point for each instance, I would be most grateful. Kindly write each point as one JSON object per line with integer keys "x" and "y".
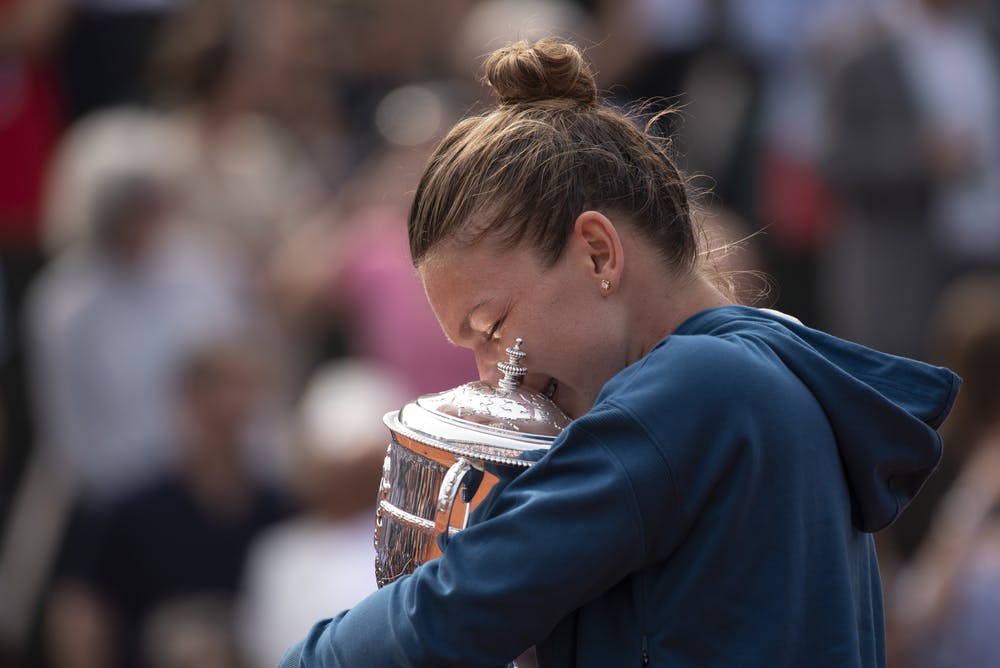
{"x": 573, "y": 336}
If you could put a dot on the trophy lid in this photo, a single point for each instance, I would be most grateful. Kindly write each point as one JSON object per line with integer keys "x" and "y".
{"x": 504, "y": 423}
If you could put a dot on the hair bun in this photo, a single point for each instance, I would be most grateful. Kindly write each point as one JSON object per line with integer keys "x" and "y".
{"x": 548, "y": 69}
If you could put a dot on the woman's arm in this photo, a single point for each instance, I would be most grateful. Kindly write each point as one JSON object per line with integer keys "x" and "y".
{"x": 557, "y": 537}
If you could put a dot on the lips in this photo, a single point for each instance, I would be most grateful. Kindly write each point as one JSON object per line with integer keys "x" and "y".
{"x": 551, "y": 387}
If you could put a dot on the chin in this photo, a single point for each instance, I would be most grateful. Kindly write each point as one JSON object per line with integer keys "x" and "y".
{"x": 570, "y": 404}
{"x": 566, "y": 399}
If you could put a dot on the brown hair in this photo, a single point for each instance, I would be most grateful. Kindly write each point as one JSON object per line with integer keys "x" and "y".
{"x": 524, "y": 171}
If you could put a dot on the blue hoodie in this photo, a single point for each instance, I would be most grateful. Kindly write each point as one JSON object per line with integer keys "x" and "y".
{"x": 714, "y": 508}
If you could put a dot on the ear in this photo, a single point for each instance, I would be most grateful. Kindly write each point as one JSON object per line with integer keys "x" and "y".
{"x": 600, "y": 246}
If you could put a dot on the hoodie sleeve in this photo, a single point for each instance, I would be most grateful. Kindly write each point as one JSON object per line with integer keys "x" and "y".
{"x": 555, "y": 538}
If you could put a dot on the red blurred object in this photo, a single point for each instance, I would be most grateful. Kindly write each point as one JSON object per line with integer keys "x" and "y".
{"x": 31, "y": 120}
{"x": 797, "y": 207}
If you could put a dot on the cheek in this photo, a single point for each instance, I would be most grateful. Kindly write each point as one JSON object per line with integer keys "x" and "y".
{"x": 574, "y": 314}
{"x": 589, "y": 342}
{"x": 570, "y": 337}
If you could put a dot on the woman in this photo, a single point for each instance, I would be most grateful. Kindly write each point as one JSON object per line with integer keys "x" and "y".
{"x": 711, "y": 504}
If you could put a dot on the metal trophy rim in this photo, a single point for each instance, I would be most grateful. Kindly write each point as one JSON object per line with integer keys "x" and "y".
{"x": 491, "y": 445}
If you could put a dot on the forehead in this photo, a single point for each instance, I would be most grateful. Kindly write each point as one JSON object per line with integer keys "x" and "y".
{"x": 456, "y": 277}
{"x": 473, "y": 262}
{"x": 460, "y": 280}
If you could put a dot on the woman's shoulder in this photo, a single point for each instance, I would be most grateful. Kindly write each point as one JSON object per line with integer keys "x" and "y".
{"x": 692, "y": 366}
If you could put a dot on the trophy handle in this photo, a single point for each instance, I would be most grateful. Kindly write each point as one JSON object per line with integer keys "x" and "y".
{"x": 446, "y": 499}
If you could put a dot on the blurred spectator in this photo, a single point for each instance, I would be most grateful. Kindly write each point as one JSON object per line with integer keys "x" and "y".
{"x": 377, "y": 293}
{"x": 880, "y": 270}
{"x": 953, "y": 69}
{"x": 323, "y": 560}
{"x": 244, "y": 131}
{"x": 225, "y": 78}
{"x": 220, "y": 68}
{"x": 946, "y": 599}
{"x": 31, "y": 118}
{"x": 182, "y": 534}
{"x": 369, "y": 280}
{"x": 253, "y": 146}
{"x": 789, "y": 198}
{"x": 913, "y": 107}
{"x": 101, "y": 148}
{"x": 347, "y": 270}
{"x": 301, "y": 84}
{"x": 109, "y": 323}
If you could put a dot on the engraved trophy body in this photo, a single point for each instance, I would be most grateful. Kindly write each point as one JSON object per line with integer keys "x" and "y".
{"x": 443, "y": 458}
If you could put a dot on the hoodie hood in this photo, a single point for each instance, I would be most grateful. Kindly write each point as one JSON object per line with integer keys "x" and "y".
{"x": 884, "y": 409}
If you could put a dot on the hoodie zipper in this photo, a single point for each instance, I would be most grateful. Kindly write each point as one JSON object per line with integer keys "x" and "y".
{"x": 639, "y": 594}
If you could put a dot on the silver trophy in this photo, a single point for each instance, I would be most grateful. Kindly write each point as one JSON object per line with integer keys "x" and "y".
{"x": 438, "y": 464}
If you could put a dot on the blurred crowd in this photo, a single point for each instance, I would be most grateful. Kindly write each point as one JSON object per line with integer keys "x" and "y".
{"x": 207, "y": 305}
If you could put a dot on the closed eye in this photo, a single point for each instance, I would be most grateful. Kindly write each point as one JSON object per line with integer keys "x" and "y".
{"x": 492, "y": 333}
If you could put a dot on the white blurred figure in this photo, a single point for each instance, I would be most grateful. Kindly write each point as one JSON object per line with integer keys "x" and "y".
{"x": 109, "y": 323}
{"x": 183, "y": 533}
{"x": 323, "y": 561}
{"x": 954, "y": 71}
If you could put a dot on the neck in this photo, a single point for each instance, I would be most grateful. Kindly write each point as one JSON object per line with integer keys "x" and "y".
{"x": 658, "y": 312}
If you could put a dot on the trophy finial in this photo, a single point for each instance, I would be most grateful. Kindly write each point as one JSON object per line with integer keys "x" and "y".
{"x": 513, "y": 371}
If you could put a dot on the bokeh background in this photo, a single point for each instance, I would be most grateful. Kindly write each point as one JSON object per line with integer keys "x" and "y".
{"x": 206, "y": 301}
